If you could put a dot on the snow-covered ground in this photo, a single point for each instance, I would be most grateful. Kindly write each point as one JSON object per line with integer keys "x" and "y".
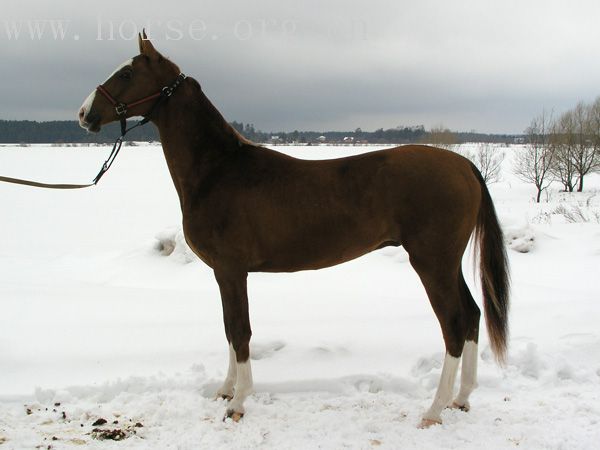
{"x": 96, "y": 322}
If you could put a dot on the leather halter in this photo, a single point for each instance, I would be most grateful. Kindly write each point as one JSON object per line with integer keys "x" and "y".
{"x": 121, "y": 108}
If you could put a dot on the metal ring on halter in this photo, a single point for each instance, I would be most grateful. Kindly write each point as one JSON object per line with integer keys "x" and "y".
{"x": 121, "y": 109}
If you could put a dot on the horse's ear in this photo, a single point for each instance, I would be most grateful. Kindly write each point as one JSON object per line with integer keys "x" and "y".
{"x": 141, "y": 43}
{"x": 146, "y": 47}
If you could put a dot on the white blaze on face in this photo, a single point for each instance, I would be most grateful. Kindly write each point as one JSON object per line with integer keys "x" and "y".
{"x": 89, "y": 101}
{"x": 87, "y": 105}
{"x": 129, "y": 62}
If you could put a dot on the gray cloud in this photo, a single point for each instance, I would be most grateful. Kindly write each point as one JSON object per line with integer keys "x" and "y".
{"x": 482, "y": 65}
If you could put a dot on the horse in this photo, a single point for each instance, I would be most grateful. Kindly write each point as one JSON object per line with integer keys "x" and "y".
{"x": 247, "y": 208}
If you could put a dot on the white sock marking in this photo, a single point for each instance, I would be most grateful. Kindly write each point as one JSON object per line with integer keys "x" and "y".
{"x": 243, "y": 386}
{"x": 227, "y": 388}
{"x": 445, "y": 388}
{"x": 468, "y": 376}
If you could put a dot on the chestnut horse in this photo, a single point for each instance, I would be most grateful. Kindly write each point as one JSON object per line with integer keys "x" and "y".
{"x": 247, "y": 208}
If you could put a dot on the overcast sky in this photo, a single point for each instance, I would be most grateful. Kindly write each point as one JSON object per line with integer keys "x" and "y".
{"x": 478, "y": 65}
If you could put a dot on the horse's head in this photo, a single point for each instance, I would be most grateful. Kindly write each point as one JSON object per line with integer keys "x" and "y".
{"x": 137, "y": 79}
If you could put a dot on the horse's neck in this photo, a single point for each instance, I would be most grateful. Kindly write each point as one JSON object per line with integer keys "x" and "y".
{"x": 195, "y": 139}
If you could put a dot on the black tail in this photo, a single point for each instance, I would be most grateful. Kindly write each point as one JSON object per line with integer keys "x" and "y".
{"x": 495, "y": 279}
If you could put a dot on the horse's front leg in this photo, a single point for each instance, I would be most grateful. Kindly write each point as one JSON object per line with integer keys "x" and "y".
{"x": 234, "y": 296}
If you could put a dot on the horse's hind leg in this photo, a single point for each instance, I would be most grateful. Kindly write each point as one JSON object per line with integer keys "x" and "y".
{"x": 441, "y": 281}
{"x": 468, "y": 377}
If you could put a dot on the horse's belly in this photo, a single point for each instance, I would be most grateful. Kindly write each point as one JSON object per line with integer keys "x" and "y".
{"x": 317, "y": 253}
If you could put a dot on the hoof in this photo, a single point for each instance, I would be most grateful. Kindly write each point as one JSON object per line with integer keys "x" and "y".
{"x": 466, "y": 407}
{"x": 427, "y": 423}
{"x": 233, "y": 415}
{"x": 223, "y": 397}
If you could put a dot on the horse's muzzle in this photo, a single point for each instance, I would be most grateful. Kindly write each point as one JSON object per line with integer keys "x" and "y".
{"x": 89, "y": 121}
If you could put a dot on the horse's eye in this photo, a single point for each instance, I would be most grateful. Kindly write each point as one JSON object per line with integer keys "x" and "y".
{"x": 126, "y": 75}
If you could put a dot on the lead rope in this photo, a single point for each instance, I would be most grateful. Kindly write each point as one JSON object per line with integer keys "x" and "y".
{"x": 165, "y": 93}
{"x": 115, "y": 151}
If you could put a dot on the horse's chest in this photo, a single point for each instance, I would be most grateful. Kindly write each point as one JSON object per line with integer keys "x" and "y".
{"x": 199, "y": 240}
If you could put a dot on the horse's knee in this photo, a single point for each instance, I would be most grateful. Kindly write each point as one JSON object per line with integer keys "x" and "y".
{"x": 455, "y": 331}
{"x": 241, "y": 343}
{"x": 472, "y": 317}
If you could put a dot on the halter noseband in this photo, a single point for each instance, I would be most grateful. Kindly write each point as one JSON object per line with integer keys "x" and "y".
{"x": 121, "y": 108}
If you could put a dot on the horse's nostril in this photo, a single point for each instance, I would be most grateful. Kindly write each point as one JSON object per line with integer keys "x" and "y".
{"x": 81, "y": 114}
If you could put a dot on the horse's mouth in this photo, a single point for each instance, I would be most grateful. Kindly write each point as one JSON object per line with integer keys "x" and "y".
{"x": 95, "y": 127}
{"x": 92, "y": 127}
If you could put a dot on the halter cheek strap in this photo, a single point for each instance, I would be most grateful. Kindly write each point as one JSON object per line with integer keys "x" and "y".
{"x": 121, "y": 108}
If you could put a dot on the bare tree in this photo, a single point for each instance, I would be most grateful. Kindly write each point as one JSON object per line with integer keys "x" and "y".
{"x": 440, "y": 136}
{"x": 585, "y": 158}
{"x": 589, "y": 160}
{"x": 532, "y": 165}
{"x": 488, "y": 160}
{"x": 563, "y": 138}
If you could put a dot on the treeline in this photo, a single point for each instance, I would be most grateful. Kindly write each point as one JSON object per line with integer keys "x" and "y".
{"x": 397, "y": 135}
{"x": 65, "y": 131}
{"x": 562, "y": 149}
{"x": 380, "y": 136}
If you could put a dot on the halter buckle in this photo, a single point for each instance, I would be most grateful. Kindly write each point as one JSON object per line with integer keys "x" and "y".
{"x": 121, "y": 109}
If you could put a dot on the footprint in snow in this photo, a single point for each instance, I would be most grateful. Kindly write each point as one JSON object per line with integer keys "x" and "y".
{"x": 262, "y": 350}
{"x": 424, "y": 366}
